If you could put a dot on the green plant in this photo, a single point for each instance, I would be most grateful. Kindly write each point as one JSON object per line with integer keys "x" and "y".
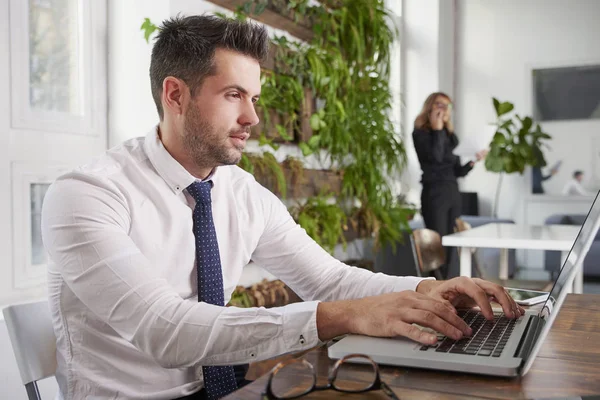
{"x": 265, "y": 166}
{"x": 347, "y": 68}
{"x": 515, "y": 145}
{"x": 323, "y": 220}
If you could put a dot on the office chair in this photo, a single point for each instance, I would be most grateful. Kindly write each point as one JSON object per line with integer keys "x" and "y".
{"x": 429, "y": 250}
{"x": 33, "y": 341}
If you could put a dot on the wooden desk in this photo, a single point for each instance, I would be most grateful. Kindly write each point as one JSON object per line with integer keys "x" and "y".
{"x": 567, "y": 365}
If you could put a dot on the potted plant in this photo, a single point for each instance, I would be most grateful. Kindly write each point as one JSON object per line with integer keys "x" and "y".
{"x": 515, "y": 145}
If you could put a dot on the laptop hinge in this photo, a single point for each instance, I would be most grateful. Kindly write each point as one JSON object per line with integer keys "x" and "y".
{"x": 528, "y": 339}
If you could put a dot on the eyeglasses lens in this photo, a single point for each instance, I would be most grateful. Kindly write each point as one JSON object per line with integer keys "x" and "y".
{"x": 348, "y": 382}
{"x": 292, "y": 380}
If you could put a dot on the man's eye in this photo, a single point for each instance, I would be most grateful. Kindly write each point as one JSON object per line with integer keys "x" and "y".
{"x": 235, "y": 95}
{"x": 255, "y": 100}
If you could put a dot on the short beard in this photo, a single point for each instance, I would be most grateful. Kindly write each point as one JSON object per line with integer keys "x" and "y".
{"x": 205, "y": 144}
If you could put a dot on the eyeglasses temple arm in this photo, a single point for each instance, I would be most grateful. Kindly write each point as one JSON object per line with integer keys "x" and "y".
{"x": 387, "y": 390}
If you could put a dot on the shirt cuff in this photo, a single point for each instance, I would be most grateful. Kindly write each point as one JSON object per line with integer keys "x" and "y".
{"x": 409, "y": 283}
{"x": 300, "y": 326}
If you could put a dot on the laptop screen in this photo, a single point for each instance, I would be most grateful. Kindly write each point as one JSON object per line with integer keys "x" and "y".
{"x": 575, "y": 258}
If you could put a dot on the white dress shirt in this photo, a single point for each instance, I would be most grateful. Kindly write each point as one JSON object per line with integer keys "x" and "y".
{"x": 122, "y": 278}
{"x": 574, "y": 188}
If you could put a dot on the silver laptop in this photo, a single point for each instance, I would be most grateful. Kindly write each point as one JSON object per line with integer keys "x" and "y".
{"x": 503, "y": 347}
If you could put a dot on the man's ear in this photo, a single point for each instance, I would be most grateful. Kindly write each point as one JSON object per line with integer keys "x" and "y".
{"x": 175, "y": 94}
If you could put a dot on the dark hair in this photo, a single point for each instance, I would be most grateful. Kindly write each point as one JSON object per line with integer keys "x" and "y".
{"x": 577, "y": 173}
{"x": 185, "y": 48}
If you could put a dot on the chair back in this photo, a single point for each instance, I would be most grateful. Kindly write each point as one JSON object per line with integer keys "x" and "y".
{"x": 461, "y": 225}
{"x": 428, "y": 247}
{"x": 33, "y": 341}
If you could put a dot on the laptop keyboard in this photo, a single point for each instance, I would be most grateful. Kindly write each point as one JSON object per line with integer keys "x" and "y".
{"x": 488, "y": 338}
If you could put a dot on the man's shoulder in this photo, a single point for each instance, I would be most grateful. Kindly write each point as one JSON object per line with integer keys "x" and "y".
{"x": 106, "y": 168}
{"x": 115, "y": 159}
{"x": 237, "y": 178}
{"x": 243, "y": 184}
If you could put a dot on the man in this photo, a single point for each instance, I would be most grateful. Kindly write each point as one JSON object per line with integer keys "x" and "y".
{"x": 573, "y": 187}
{"x": 537, "y": 177}
{"x": 133, "y": 314}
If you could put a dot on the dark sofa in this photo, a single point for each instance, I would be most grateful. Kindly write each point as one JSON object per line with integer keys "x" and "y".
{"x": 591, "y": 264}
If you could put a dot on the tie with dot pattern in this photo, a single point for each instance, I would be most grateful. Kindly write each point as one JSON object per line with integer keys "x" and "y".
{"x": 219, "y": 381}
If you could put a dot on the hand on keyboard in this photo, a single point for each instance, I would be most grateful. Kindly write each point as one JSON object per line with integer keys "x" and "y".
{"x": 470, "y": 292}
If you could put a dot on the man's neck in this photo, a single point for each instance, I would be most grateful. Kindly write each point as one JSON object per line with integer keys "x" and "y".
{"x": 176, "y": 150}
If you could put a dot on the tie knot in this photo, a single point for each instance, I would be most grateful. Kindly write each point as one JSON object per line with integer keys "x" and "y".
{"x": 200, "y": 191}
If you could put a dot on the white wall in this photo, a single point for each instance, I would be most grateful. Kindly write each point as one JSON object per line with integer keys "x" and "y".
{"x": 131, "y": 110}
{"x": 498, "y": 43}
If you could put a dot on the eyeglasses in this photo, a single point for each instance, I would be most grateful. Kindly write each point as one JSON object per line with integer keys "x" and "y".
{"x": 442, "y": 105}
{"x": 278, "y": 386}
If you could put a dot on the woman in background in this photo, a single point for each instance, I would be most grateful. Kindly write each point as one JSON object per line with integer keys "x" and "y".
{"x": 434, "y": 141}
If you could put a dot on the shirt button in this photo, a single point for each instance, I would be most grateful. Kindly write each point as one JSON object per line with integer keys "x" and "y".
{"x": 252, "y": 355}
{"x": 302, "y": 341}
{"x": 177, "y": 188}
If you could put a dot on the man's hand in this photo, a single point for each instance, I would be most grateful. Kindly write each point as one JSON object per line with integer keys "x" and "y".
{"x": 470, "y": 292}
{"x": 389, "y": 315}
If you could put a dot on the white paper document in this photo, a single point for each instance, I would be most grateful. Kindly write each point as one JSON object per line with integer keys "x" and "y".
{"x": 476, "y": 141}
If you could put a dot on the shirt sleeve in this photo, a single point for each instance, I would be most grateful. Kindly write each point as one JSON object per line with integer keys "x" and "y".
{"x": 286, "y": 250}
{"x": 461, "y": 170}
{"x": 85, "y": 224}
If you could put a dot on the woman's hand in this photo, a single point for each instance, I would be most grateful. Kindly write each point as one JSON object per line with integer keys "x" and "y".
{"x": 436, "y": 118}
{"x": 481, "y": 154}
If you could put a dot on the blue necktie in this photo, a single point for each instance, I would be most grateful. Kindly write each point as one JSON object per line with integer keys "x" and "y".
{"x": 218, "y": 381}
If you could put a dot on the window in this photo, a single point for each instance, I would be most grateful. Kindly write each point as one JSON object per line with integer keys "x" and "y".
{"x": 53, "y": 79}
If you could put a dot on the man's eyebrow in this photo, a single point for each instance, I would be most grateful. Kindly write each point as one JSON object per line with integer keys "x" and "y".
{"x": 238, "y": 88}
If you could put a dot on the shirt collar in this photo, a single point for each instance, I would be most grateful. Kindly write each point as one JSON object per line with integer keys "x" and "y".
{"x": 173, "y": 173}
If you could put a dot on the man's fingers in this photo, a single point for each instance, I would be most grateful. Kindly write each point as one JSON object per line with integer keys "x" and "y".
{"x": 509, "y": 306}
{"x": 431, "y": 320}
{"x": 446, "y": 312}
{"x": 412, "y": 332}
{"x": 479, "y": 296}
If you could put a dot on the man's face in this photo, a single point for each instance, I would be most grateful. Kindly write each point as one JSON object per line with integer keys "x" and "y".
{"x": 579, "y": 177}
{"x": 218, "y": 119}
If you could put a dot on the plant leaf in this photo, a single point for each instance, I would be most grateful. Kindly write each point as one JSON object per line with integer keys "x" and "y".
{"x": 148, "y": 27}
{"x": 315, "y": 122}
{"x": 504, "y": 108}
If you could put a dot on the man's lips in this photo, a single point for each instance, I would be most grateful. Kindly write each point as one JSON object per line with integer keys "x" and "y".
{"x": 241, "y": 136}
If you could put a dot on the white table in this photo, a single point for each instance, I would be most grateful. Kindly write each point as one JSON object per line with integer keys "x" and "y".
{"x": 512, "y": 236}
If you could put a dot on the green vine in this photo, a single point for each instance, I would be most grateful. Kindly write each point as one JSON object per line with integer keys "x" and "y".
{"x": 322, "y": 220}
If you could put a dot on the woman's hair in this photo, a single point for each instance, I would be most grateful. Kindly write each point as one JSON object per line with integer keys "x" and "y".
{"x": 422, "y": 121}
